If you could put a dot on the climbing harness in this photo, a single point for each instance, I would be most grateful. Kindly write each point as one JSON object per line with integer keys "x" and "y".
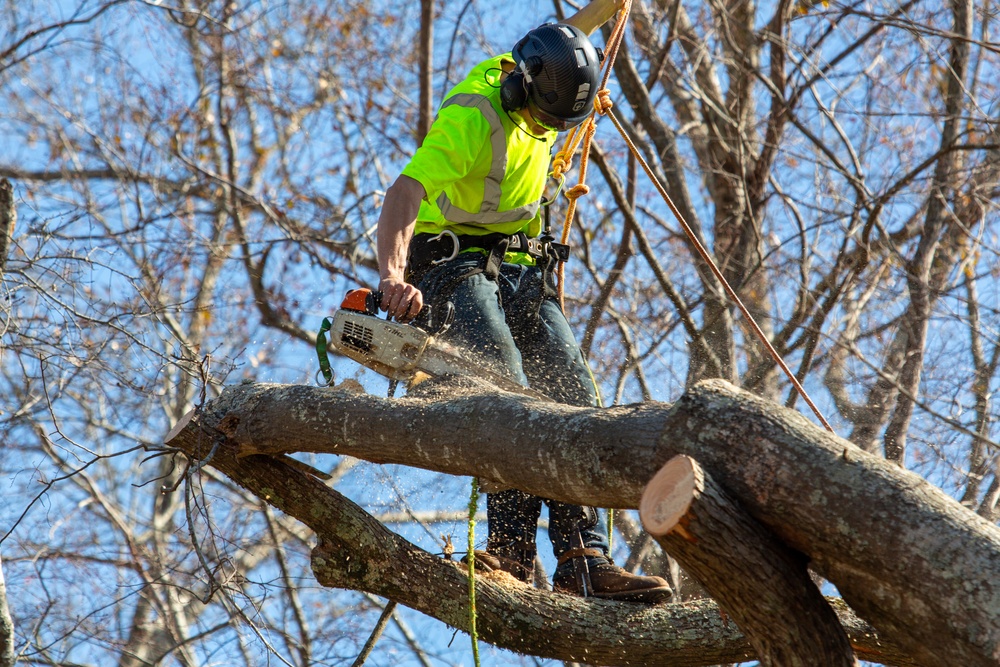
{"x": 428, "y": 251}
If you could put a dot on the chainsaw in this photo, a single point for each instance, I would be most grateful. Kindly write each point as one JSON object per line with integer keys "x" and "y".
{"x": 400, "y": 351}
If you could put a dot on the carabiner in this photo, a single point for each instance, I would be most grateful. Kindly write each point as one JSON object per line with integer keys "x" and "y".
{"x": 561, "y": 181}
{"x": 454, "y": 253}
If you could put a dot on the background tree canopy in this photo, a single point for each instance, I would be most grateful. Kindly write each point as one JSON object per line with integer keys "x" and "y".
{"x": 196, "y": 185}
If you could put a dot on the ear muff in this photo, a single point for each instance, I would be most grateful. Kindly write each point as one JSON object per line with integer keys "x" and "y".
{"x": 514, "y": 91}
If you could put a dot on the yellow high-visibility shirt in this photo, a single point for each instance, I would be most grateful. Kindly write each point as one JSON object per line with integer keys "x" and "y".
{"x": 481, "y": 172}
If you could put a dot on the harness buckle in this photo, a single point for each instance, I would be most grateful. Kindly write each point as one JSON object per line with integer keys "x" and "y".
{"x": 560, "y": 250}
{"x": 457, "y": 246}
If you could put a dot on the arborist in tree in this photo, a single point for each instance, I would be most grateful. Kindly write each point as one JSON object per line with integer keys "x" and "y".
{"x": 463, "y": 223}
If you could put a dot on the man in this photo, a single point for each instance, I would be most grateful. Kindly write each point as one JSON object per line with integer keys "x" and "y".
{"x": 461, "y": 224}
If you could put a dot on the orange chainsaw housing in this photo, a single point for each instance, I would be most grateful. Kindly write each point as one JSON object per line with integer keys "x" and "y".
{"x": 360, "y": 300}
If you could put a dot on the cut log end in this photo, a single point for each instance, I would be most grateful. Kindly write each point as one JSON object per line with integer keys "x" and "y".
{"x": 668, "y": 496}
{"x": 179, "y": 426}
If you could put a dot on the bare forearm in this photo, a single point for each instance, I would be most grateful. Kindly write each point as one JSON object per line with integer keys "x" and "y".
{"x": 395, "y": 226}
{"x": 395, "y": 230}
{"x": 594, "y": 15}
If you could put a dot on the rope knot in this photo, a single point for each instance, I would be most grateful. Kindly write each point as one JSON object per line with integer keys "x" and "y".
{"x": 603, "y": 103}
{"x": 577, "y": 191}
{"x": 559, "y": 165}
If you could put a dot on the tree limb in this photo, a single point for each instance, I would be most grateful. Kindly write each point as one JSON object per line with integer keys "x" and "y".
{"x": 8, "y": 218}
{"x": 762, "y": 583}
{"x": 355, "y": 551}
{"x": 912, "y": 561}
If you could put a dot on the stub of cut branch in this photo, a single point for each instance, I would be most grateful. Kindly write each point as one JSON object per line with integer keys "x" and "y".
{"x": 760, "y": 582}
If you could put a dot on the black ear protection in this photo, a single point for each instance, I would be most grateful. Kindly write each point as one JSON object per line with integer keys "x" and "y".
{"x": 514, "y": 89}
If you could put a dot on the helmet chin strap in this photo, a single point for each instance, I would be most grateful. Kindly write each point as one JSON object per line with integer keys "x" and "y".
{"x": 523, "y": 129}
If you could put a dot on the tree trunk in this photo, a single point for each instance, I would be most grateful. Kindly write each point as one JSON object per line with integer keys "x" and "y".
{"x": 910, "y": 560}
{"x": 760, "y": 582}
{"x": 6, "y": 626}
{"x": 8, "y": 218}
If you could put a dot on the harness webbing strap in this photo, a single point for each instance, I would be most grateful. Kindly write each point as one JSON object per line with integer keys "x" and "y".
{"x": 427, "y": 251}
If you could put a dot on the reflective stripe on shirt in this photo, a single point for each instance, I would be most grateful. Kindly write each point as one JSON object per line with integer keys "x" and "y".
{"x": 488, "y": 213}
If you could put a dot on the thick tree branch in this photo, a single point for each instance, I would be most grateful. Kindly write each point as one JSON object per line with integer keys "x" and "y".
{"x": 910, "y": 560}
{"x": 357, "y": 552}
{"x": 8, "y": 218}
{"x": 762, "y": 583}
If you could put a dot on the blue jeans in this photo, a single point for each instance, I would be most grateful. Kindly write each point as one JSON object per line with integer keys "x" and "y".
{"x": 514, "y": 329}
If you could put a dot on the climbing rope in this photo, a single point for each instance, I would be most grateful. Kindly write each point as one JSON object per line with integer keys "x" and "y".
{"x": 564, "y": 158}
{"x": 562, "y": 163}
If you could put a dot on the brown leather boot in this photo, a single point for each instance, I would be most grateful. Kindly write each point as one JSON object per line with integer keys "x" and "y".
{"x": 490, "y": 562}
{"x": 610, "y": 582}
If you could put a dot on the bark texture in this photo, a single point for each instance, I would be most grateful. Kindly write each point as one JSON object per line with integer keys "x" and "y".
{"x": 913, "y": 562}
{"x": 8, "y": 218}
{"x": 761, "y": 583}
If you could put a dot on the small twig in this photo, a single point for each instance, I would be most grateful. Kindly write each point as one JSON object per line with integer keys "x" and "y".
{"x": 383, "y": 620}
{"x": 213, "y": 584}
{"x": 173, "y": 466}
{"x": 204, "y": 367}
{"x": 54, "y": 481}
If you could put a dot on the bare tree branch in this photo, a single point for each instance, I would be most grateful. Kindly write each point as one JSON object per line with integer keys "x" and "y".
{"x": 8, "y": 218}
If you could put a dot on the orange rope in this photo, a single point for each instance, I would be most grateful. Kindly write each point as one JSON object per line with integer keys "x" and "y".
{"x": 562, "y": 163}
{"x": 564, "y": 158}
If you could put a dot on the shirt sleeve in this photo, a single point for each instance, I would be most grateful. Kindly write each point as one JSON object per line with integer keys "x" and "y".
{"x": 451, "y": 150}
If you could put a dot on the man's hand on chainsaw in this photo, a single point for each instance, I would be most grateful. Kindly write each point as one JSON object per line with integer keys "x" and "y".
{"x": 400, "y": 299}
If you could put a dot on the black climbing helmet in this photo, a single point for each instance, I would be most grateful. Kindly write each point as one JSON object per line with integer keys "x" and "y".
{"x": 558, "y": 72}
